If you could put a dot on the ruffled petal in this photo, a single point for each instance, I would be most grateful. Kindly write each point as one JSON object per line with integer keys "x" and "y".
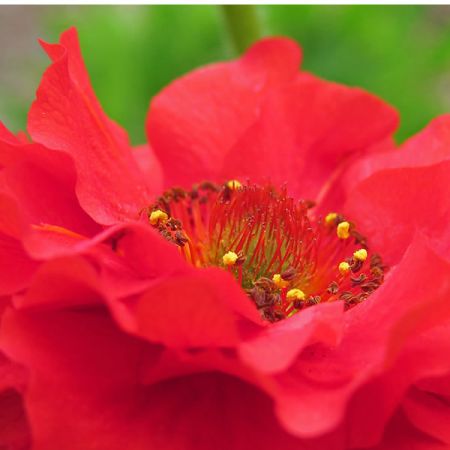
{"x": 87, "y": 389}
{"x": 315, "y": 391}
{"x": 62, "y": 282}
{"x": 275, "y": 348}
{"x": 16, "y": 267}
{"x": 305, "y": 131}
{"x": 194, "y": 122}
{"x": 42, "y": 184}
{"x": 429, "y": 413}
{"x": 128, "y": 259}
{"x": 44, "y": 189}
{"x": 194, "y": 309}
{"x": 14, "y": 430}
{"x": 393, "y": 386}
{"x": 7, "y": 136}
{"x": 148, "y": 164}
{"x": 421, "y": 202}
{"x": 402, "y": 435}
{"x": 428, "y": 147}
{"x": 67, "y": 117}
{"x": 12, "y": 222}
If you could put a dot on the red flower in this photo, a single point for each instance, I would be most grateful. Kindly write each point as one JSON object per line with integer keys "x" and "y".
{"x": 328, "y": 328}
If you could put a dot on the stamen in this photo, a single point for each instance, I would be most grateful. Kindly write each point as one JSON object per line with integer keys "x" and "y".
{"x": 343, "y": 230}
{"x": 360, "y": 255}
{"x": 279, "y": 281}
{"x": 230, "y": 258}
{"x": 233, "y": 184}
{"x": 284, "y": 257}
{"x": 330, "y": 218}
{"x": 344, "y": 268}
{"x": 158, "y": 216}
{"x": 295, "y": 294}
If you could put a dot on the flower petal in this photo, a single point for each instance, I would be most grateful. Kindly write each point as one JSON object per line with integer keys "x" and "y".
{"x": 86, "y": 389}
{"x": 12, "y": 222}
{"x": 16, "y": 267}
{"x": 429, "y": 413}
{"x": 66, "y": 116}
{"x": 428, "y": 147}
{"x": 61, "y": 283}
{"x": 421, "y": 202}
{"x": 315, "y": 391}
{"x": 14, "y": 430}
{"x": 148, "y": 163}
{"x": 389, "y": 389}
{"x": 305, "y": 130}
{"x": 277, "y": 346}
{"x": 82, "y": 365}
{"x": 45, "y": 193}
{"x": 192, "y": 310}
{"x": 7, "y": 136}
{"x": 402, "y": 435}
{"x": 196, "y": 120}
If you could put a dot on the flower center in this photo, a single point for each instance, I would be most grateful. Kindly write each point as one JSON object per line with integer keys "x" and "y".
{"x": 284, "y": 257}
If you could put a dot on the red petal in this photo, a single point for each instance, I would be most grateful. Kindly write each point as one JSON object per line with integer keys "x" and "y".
{"x": 14, "y": 432}
{"x": 305, "y": 130}
{"x": 335, "y": 191}
{"x": 87, "y": 389}
{"x": 196, "y": 120}
{"x": 16, "y": 267}
{"x": 429, "y": 413}
{"x": 402, "y": 435}
{"x": 421, "y": 202}
{"x": 12, "y": 222}
{"x": 430, "y": 146}
{"x": 7, "y": 136}
{"x": 66, "y": 116}
{"x": 78, "y": 359}
{"x": 148, "y": 163}
{"x": 315, "y": 391}
{"x": 138, "y": 244}
{"x": 42, "y": 183}
{"x": 129, "y": 258}
{"x": 190, "y": 310}
{"x": 60, "y": 283}
{"x": 46, "y": 194}
{"x": 277, "y": 346}
{"x": 385, "y": 392}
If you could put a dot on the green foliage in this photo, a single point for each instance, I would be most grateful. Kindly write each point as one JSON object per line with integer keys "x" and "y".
{"x": 401, "y": 53}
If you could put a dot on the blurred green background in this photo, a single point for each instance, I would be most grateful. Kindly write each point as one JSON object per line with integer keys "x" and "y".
{"x": 401, "y": 53}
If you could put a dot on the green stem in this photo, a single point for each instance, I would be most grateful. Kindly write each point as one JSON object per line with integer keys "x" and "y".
{"x": 243, "y": 23}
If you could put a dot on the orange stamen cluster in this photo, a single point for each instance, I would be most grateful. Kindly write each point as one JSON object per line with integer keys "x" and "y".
{"x": 284, "y": 257}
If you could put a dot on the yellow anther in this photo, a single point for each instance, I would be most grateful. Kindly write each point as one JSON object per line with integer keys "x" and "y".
{"x": 279, "y": 282}
{"x": 360, "y": 255}
{"x": 233, "y": 184}
{"x": 158, "y": 216}
{"x": 230, "y": 258}
{"x": 330, "y": 218}
{"x": 342, "y": 230}
{"x": 295, "y": 294}
{"x": 344, "y": 267}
